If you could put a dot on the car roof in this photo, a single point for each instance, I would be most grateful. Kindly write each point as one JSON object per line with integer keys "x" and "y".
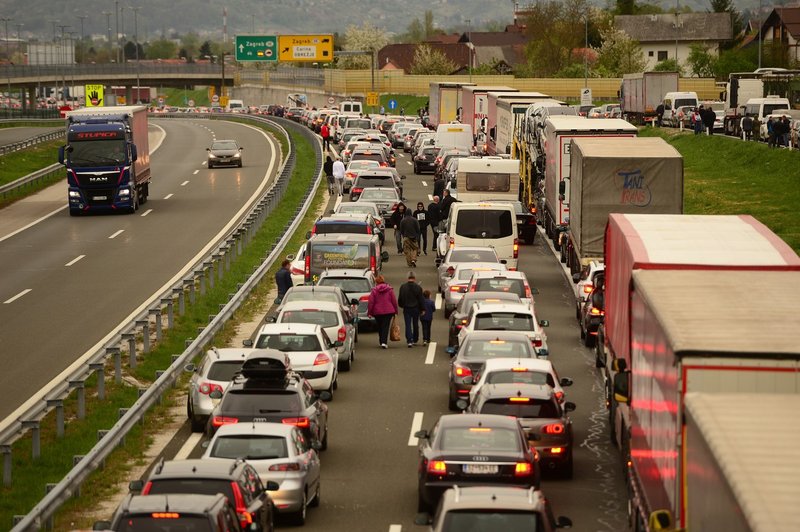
{"x": 506, "y": 497}
{"x": 353, "y": 218}
{"x": 534, "y": 391}
{"x": 490, "y": 266}
{"x": 312, "y": 288}
{"x": 536, "y": 364}
{"x": 198, "y": 468}
{"x": 259, "y": 428}
{"x": 311, "y": 305}
{"x": 487, "y": 294}
{"x": 229, "y": 353}
{"x": 472, "y": 420}
{"x": 289, "y": 328}
{"x": 516, "y": 336}
{"x": 344, "y": 237}
{"x": 473, "y": 248}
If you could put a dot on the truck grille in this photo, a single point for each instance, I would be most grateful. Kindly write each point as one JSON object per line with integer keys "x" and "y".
{"x": 100, "y": 196}
{"x": 100, "y": 179}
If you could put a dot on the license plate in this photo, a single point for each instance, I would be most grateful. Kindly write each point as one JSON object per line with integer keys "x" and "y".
{"x": 101, "y": 197}
{"x": 480, "y": 469}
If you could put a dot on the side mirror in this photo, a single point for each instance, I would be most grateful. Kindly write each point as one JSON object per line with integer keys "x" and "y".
{"x": 337, "y": 343}
{"x": 290, "y": 256}
{"x": 565, "y": 381}
{"x": 277, "y": 300}
{"x": 208, "y": 149}
{"x": 421, "y": 434}
{"x": 135, "y": 486}
{"x": 61, "y": 161}
{"x": 101, "y": 525}
{"x": 317, "y": 446}
{"x": 325, "y": 395}
{"x": 272, "y": 319}
{"x": 272, "y": 486}
{"x": 308, "y": 235}
{"x": 576, "y": 277}
{"x": 423, "y": 519}
{"x": 569, "y": 407}
{"x": 216, "y": 394}
{"x": 247, "y": 343}
{"x": 205, "y": 444}
{"x": 384, "y": 256}
{"x": 503, "y": 261}
{"x": 134, "y": 154}
{"x": 461, "y": 404}
{"x": 241, "y": 148}
{"x": 563, "y": 522}
{"x": 619, "y": 365}
{"x": 468, "y": 380}
{"x": 660, "y": 520}
{"x": 451, "y": 351}
{"x": 402, "y": 177}
{"x": 534, "y": 291}
{"x": 544, "y": 323}
{"x": 189, "y": 368}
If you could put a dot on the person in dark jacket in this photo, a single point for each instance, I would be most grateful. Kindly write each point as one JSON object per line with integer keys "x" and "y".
{"x": 438, "y": 186}
{"x": 382, "y": 305}
{"x": 411, "y": 300}
{"x": 659, "y": 114}
{"x": 409, "y": 230}
{"x": 422, "y": 218}
{"x": 709, "y": 117}
{"x": 427, "y": 316}
{"x": 328, "y": 169}
{"x": 747, "y": 128}
{"x": 283, "y": 278}
{"x": 434, "y": 217}
{"x": 394, "y": 221}
{"x": 447, "y": 200}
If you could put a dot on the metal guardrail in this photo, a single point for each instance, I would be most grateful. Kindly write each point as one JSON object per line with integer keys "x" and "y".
{"x": 27, "y": 143}
{"x": 41, "y": 515}
{"x": 31, "y": 179}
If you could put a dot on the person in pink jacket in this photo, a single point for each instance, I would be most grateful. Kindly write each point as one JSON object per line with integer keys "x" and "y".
{"x": 382, "y": 306}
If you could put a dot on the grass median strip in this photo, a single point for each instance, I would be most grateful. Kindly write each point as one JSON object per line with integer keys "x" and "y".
{"x": 30, "y": 477}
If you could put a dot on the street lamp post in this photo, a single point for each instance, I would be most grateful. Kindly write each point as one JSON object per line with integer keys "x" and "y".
{"x": 62, "y": 59}
{"x": 108, "y": 30}
{"x": 8, "y": 58}
{"x": 585, "y": 51}
{"x": 136, "y": 43}
{"x": 760, "y": 24}
{"x": 469, "y": 48}
{"x": 82, "y": 17}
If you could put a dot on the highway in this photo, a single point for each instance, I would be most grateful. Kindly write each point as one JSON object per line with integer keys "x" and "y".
{"x": 10, "y": 135}
{"x": 67, "y": 282}
{"x": 369, "y": 472}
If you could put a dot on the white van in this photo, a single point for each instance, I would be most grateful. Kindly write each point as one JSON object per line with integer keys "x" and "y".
{"x": 235, "y": 106}
{"x": 351, "y": 107}
{"x": 454, "y": 135}
{"x": 673, "y": 100}
{"x": 483, "y": 224}
{"x": 494, "y": 177}
{"x": 760, "y": 108}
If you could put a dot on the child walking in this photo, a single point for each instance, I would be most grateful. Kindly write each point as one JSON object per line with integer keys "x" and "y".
{"x": 427, "y": 317}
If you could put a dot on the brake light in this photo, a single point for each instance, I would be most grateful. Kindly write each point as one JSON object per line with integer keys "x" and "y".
{"x": 596, "y": 312}
{"x": 314, "y": 230}
{"x": 206, "y": 388}
{"x": 437, "y": 467}
{"x": 342, "y": 334}
{"x": 553, "y": 428}
{"x": 556, "y": 450}
{"x": 218, "y": 421}
{"x": 373, "y": 264}
{"x": 459, "y": 288}
{"x": 308, "y": 266}
{"x": 364, "y": 298}
{"x": 537, "y": 341}
{"x": 147, "y": 488}
{"x": 519, "y": 370}
{"x": 384, "y": 164}
{"x": 453, "y": 242}
{"x": 321, "y": 359}
{"x": 358, "y": 190}
{"x": 299, "y": 422}
{"x": 519, "y": 399}
{"x": 587, "y": 288}
{"x": 165, "y": 515}
{"x": 523, "y": 469}
{"x": 241, "y": 509}
{"x": 285, "y": 467}
{"x": 369, "y": 230}
{"x": 516, "y": 248}
{"x": 463, "y": 371}
{"x": 528, "y": 293}
{"x": 559, "y": 396}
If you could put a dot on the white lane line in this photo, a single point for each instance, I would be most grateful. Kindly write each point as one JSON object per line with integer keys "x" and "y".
{"x": 195, "y": 172}
{"x": 430, "y": 197}
{"x": 188, "y": 446}
{"x": 184, "y": 183}
{"x": 145, "y": 213}
{"x": 416, "y": 424}
{"x": 409, "y": 163}
{"x": 11, "y": 300}
{"x": 424, "y": 183}
{"x": 168, "y": 196}
{"x": 203, "y": 163}
{"x": 395, "y": 528}
{"x": 115, "y": 235}
{"x": 73, "y": 261}
{"x": 431, "y": 353}
{"x": 337, "y": 202}
{"x": 438, "y": 301}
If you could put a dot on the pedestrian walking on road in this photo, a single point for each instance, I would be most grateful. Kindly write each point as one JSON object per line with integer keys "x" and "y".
{"x": 325, "y": 133}
{"x": 328, "y": 169}
{"x": 382, "y": 305}
{"x": 447, "y": 200}
{"x": 438, "y": 185}
{"x": 427, "y": 316}
{"x": 434, "y": 217}
{"x": 422, "y": 219}
{"x": 412, "y": 301}
{"x": 338, "y": 175}
{"x": 397, "y": 217}
{"x": 409, "y": 229}
{"x": 283, "y": 278}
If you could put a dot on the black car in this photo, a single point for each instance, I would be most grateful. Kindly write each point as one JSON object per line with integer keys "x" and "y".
{"x": 593, "y": 312}
{"x": 203, "y": 513}
{"x": 425, "y": 160}
{"x": 473, "y": 450}
{"x": 268, "y": 393}
{"x": 458, "y": 318}
{"x": 236, "y": 479}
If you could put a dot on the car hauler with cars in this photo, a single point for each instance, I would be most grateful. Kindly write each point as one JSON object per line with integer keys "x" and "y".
{"x": 643, "y": 92}
{"x": 107, "y": 157}
{"x": 501, "y": 122}
{"x": 698, "y": 331}
{"x": 635, "y": 175}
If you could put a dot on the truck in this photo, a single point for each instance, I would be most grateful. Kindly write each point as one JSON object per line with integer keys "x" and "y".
{"x": 700, "y": 331}
{"x": 518, "y": 98}
{"x": 633, "y": 175}
{"x": 107, "y": 158}
{"x": 510, "y": 118}
{"x": 559, "y": 131}
{"x": 480, "y": 178}
{"x": 444, "y": 102}
{"x": 731, "y": 483}
{"x": 475, "y": 105}
{"x": 670, "y": 242}
{"x": 742, "y": 87}
{"x": 642, "y": 92}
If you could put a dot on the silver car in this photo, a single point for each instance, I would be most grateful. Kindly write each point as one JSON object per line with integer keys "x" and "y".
{"x": 215, "y": 372}
{"x": 457, "y": 285}
{"x": 331, "y": 318}
{"x": 446, "y": 266}
{"x": 279, "y": 453}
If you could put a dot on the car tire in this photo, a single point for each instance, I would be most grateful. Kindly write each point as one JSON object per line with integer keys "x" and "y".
{"x": 240, "y": 164}
{"x": 530, "y": 240}
{"x": 588, "y": 339}
{"x": 447, "y": 312}
{"x": 569, "y": 468}
{"x": 210, "y": 166}
{"x": 347, "y": 364}
{"x": 314, "y": 503}
{"x": 422, "y": 506}
{"x": 323, "y": 445}
{"x": 583, "y": 333}
{"x": 451, "y": 402}
{"x": 299, "y": 517}
{"x": 416, "y": 170}
{"x": 578, "y": 313}
{"x": 196, "y": 424}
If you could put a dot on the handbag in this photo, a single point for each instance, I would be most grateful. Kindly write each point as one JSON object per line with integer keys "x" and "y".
{"x": 394, "y": 334}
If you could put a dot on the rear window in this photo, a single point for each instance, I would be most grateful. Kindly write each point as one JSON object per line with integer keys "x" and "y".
{"x": 485, "y": 182}
{"x": 485, "y": 223}
{"x": 520, "y": 377}
{"x": 259, "y": 402}
{"x": 362, "y": 123}
{"x": 479, "y": 439}
{"x": 501, "y": 321}
{"x": 379, "y": 194}
{"x": 475, "y": 255}
{"x": 491, "y": 520}
{"x": 224, "y": 370}
{"x": 531, "y": 408}
{"x": 289, "y": 343}
{"x": 308, "y": 295}
{"x": 485, "y": 349}
{"x": 512, "y": 286}
{"x": 363, "y": 156}
{"x": 197, "y": 486}
{"x": 330, "y": 256}
{"x": 347, "y": 284}
{"x": 323, "y": 318}
{"x": 181, "y": 523}
{"x": 250, "y": 447}
{"x": 340, "y": 227}
{"x": 680, "y": 102}
{"x": 375, "y": 181}
{"x": 770, "y": 108}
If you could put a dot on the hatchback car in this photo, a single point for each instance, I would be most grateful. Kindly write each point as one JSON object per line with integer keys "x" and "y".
{"x": 370, "y": 154}
{"x": 359, "y": 224}
{"x": 224, "y": 153}
{"x": 279, "y": 453}
{"x": 319, "y": 293}
{"x": 386, "y": 199}
{"x": 215, "y": 372}
{"x": 446, "y": 266}
{"x": 593, "y": 313}
{"x": 357, "y": 285}
{"x": 520, "y": 371}
{"x": 458, "y": 284}
{"x": 352, "y": 171}
{"x": 202, "y": 513}
{"x": 507, "y": 317}
{"x": 514, "y": 282}
{"x": 378, "y": 178}
{"x": 425, "y": 160}
{"x": 458, "y": 318}
{"x": 469, "y": 450}
{"x": 585, "y": 280}
{"x": 467, "y": 364}
{"x": 360, "y": 208}
{"x": 330, "y": 317}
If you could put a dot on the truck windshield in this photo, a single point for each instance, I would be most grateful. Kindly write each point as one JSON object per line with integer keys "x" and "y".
{"x": 770, "y": 108}
{"x": 97, "y": 152}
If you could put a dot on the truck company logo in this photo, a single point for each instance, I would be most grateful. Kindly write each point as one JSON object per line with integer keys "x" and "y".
{"x": 634, "y": 190}
{"x": 98, "y": 135}
{"x": 95, "y": 179}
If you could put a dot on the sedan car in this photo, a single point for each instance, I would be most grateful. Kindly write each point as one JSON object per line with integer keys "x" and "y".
{"x": 375, "y": 179}
{"x": 515, "y": 282}
{"x": 386, "y": 199}
{"x": 215, "y": 372}
{"x": 473, "y": 450}
{"x": 279, "y": 453}
{"x": 224, "y": 153}
{"x": 319, "y": 293}
{"x": 507, "y": 317}
{"x": 330, "y": 317}
{"x": 356, "y": 284}
{"x": 520, "y": 371}
{"x": 543, "y": 419}
{"x": 458, "y": 318}
{"x": 467, "y": 364}
{"x": 446, "y": 266}
{"x": 425, "y": 160}
{"x": 457, "y": 285}
{"x": 352, "y": 171}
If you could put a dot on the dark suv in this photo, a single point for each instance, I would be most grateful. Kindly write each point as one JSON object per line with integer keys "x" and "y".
{"x": 236, "y": 479}
{"x": 204, "y": 513}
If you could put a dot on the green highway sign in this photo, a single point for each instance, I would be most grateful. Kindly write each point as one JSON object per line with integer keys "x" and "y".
{"x": 256, "y": 48}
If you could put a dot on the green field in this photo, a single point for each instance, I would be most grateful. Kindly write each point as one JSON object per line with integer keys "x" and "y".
{"x": 723, "y": 175}
{"x": 411, "y": 104}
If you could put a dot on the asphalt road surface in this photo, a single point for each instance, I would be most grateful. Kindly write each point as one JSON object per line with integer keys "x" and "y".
{"x": 68, "y": 281}
{"x": 369, "y": 472}
{"x": 10, "y": 135}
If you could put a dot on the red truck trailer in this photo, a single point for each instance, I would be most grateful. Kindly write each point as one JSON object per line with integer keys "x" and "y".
{"x": 475, "y": 105}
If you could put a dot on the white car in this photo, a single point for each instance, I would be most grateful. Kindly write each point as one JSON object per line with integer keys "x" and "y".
{"x": 513, "y": 282}
{"x": 298, "y": 263}
{"x": 585, "y": 283}
{"x": 331, "y": 318}
{"x": 312, "y": 352}
{"x": 521, "y": 371}
{"x": 458, "y": 284}
{"x": 352, "y": 171}
{"x": 446, "y": 266}
{"x": 215, "y": 372}
{"x": 279, "y": 453}
{"x": 507, "y": 317}
{"x": 361, "y": 208}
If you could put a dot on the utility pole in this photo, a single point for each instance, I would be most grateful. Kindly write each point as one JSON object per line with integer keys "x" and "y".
{"x": 760, "y": 25}
{"x": 62, "y": 59}
{"x": 108, "y": 29}
{"x": 116, "y": 28}
{"x": 469, "y": 48}
{"x": 82, "y": 17}
{"x": 136, "y": 43}
{"x": 8, "y": 58}
{"x": 585, "y": 50}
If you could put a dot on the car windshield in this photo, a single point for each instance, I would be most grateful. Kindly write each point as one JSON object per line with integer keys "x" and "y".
{"x": 193, "y": 485}
{"x": 520, "y": 376}
{"x": 492, "y": 520}
{"x": 250, "y": 447}
{"x": 323, "y": 318}
{"x": 484, "y": 223}
{"x": 152, "y": 523}
{"x": 511, "y": 286}
{"x": 483, "y": 349}
{"x": 379, "y": 194}
{"x": 347, "y": 284}
{"x": 479, "y": 439}
{"x": 473, "y": 255}
{"x": 224, "y": 145}
{"x": 503, "y": 321}
{"x": 370, "y": 156}
{"x": 223, "y": 370}
{"x": 96, "y": 152}
{"x": 289, "y": 342}
{"x": 544, "y": 408}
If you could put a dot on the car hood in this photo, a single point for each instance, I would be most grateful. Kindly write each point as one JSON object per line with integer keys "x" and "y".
{"x": 224, "y": 153}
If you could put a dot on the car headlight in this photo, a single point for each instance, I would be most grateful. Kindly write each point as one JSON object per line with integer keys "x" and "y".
{"x": 211, "y": 155}
{"x": 125, "y": 192}
{"x": 74, "y": 194}
{"x": 237, "y": 154}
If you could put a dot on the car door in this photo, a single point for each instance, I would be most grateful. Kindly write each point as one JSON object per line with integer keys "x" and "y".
{"x": 314, "y": 411}
{"x": 310, "y": 457}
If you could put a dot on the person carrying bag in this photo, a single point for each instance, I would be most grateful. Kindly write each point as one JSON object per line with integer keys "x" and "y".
{"x": 382, "y": 306}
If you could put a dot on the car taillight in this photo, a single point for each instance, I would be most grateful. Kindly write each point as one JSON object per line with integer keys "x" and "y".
{"x": 373, "y": 264}
{"x": 559, "y": 396}
{"x": 452, "y": 242}
{"x": 308, "y": 266}
{"x": 342, "y": 334}
{"x": 346, "y": 152}
{"x": 299, "y": 422}
{"x": 394, "y": 207}
{"x": 147, "y": 488}
{"x": 384, "y": 164}
{"x": 321, "y": 359}
{"x": 241, "y": 509}
{"x": 285, "y": 467}
{"x": 463, "y": 371}
{"x": 553, "y": 428}
{"x": 437, "y": 467}
{"x": 516, "y": 248}
{"x": 537, "y": 341}
{"x": 523, "y": 469}
{"x": 207, "y": 387}
{"x": 556, "y": 450}
{"x": 365, "y": 298}
{"x": 587, "y": 288}
{"x": 459, "y": 288}
{"x": 596, "y": 312}
{"x": 218, "y": 421}
{"x": 358, "y": 190}
{"x": 314, "y": 230}
{"x": 528, "y": 293}
{"x": 369, "y": 230}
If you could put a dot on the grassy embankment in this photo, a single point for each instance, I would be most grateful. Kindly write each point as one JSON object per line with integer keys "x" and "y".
{"x": 30, "y": 477}
{"x": 23, "y": 162}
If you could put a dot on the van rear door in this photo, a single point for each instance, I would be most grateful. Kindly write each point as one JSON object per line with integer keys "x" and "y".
{"x": 494, "y": 227}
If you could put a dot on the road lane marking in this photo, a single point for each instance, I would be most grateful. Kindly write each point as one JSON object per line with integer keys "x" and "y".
{"x": 188, "y": 446}
{"x": 337, "y": 202}
{"x": 11, "y": 300}
{"x": 184, "y": 183}
{"x": 430, "y": 197}
{"x": 115, "y": 235}
{"x": 168, "y": 196}
{"x": 203, "y": 163}
{"x": 438, "y": 301}
{"x": 424, "y": 183}
{"x": 195, "y": 172}
{"x": 431, "y": 353}
{"x": 145, "y": 213}
{"x": 409, "y": 163}
{"x": 416, "y": 424}
{"x": 395, "y": 528}
{"x": 73, "y": 261}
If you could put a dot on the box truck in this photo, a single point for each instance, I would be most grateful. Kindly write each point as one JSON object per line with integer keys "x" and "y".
{"x": 642, "y": 93}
